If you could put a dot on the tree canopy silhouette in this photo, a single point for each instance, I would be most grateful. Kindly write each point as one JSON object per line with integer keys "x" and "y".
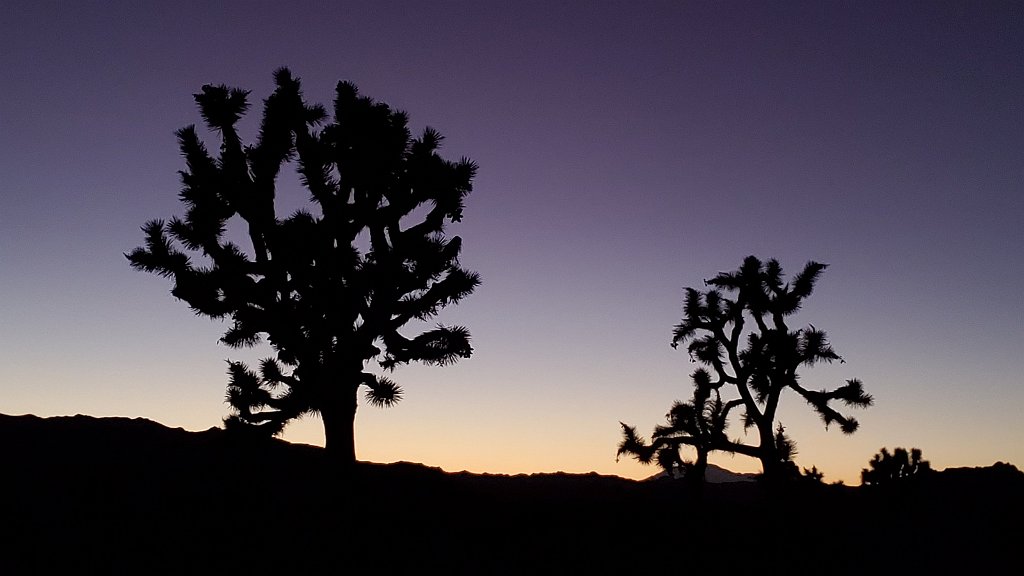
{"x": 330, "y": 287}
{"x": 739, "y": 334}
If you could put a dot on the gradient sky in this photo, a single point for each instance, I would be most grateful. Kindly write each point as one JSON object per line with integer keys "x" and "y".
{"x": 626, "y": 150}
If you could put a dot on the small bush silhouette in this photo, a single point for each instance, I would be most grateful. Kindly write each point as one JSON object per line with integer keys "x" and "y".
{"x": 813, "y": 475}
{"x": 897, "y": 467}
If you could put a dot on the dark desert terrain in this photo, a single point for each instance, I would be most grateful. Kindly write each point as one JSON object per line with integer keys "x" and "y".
{"x": 118, "y": 495}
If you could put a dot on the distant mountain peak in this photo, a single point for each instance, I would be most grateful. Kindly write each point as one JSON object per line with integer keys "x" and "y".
{"x": 714, "y": 475}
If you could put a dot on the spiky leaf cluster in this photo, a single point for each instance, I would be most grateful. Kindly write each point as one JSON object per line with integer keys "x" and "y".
{"x": 329, "y": 288}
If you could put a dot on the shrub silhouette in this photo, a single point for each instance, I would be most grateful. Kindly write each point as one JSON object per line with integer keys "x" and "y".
{"x": 887, "y": 469}
{"x": 813, "y": 475}
{"x": 329, "y": 287}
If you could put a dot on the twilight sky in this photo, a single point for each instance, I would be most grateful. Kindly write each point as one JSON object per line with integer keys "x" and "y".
{"x": 626, "y": 150}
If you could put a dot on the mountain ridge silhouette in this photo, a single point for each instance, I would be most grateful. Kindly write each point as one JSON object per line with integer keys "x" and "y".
{"x": 128, "y": 495}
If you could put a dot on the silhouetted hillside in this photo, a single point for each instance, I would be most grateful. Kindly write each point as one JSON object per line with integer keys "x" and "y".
{"x": 117, "y": 495}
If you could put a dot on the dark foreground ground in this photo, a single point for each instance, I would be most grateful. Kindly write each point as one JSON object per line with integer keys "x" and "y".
{"x": 113, "y": 496}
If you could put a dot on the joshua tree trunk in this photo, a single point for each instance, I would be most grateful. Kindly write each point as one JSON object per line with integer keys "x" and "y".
{"x": 698, "y": 473}
{"x": 768, "y": 452}
{"x": 339, "y": 414}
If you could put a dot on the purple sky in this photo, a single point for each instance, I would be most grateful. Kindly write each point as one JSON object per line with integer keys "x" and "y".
{"x": 626, "y": 150}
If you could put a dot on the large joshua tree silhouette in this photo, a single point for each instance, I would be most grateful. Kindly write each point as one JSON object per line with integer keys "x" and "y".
{"x": 738, "y": 332}
{"x": 331, "y": 287}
